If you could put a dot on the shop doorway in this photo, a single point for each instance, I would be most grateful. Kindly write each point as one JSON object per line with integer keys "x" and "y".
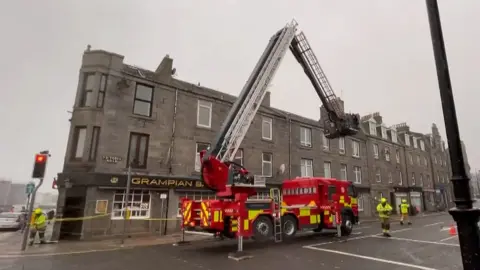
{"x": 74, "y": 208}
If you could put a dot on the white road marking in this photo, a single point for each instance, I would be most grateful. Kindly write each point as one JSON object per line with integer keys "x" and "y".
{"x": 372, "y": 258}
{"x": 447, "y": 228}
{"x": 448, "y": 238}
{"x": 356, "y": 233}
{"x": 354, "y": 238}
{"x": 361, "y": 228}
{"x": 419, "y": 241}
{"x": 433, "y": 224}
{"x": 401, "y": 230}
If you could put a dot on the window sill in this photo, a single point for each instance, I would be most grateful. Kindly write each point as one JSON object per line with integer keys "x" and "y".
{"x": 142, "y": 117}
{"x": 358, "y": 157}
{"x": 78, "y": 108}
{"x": 267, "y": 140}
{"x": 306, "y": 147}
{"x": 203, "y": 127}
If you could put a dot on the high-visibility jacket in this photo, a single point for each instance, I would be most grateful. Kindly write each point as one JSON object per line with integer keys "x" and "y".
{"x": 383, "y": 210}
{"x": 404, "y": 208}
{"x": 39, "y": 222}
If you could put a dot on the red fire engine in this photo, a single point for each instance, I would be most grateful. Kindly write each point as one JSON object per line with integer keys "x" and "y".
{"x": 303, "y": 203}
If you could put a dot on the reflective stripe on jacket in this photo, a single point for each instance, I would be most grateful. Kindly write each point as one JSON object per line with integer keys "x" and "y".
{"x": 383, "y": 210}
{"x": 404, "y": 208}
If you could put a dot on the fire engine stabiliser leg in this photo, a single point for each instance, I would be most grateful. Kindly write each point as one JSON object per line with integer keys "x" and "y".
{"x": 182, "y": 241}
{"x": 240, "y": 254}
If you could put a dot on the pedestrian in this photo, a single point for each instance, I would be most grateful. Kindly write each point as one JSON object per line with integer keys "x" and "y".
{"x": 404, "y": 207}
{"x": 384, "y": 211}
{"x": 38, "y": 225}
{"x": 23, "y": 221}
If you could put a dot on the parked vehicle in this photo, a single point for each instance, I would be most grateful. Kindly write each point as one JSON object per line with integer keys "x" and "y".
{"x": 10, "y": 221}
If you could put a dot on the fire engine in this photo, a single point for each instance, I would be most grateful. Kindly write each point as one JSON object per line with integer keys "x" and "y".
{"x": 305, "y": 203}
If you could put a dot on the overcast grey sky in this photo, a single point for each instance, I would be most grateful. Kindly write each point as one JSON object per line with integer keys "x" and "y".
{"x": 376, "y": 53}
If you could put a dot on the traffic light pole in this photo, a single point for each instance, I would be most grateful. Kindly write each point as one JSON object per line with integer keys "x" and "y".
{"x": 464, "y": 214}
{"x": 26, "y": 232}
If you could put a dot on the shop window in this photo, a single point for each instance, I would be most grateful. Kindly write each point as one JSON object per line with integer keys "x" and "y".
{"x": 138, "y": 202}
{"x": 360, "y": 202}
{"x": 199, "y": 148}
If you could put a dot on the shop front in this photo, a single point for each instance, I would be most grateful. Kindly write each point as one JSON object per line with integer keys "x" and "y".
{"x": 443, "y": 198}
{"x": 399, "y": 194}
{"x": 99, "y": 203}
{"x": 429, "y": 200}
{"x": 416, "y": 199}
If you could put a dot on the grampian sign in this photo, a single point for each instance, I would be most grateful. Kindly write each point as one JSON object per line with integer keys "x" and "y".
{"x": 168, "y": 183}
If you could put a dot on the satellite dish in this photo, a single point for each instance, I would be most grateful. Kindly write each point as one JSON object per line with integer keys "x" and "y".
{"x": 282, "y": 169}
{"x": 174, "y": 70}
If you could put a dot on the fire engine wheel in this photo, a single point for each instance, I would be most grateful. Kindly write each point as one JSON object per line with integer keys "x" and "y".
{"x": 289, "y": 227}
{"x": 347, "y": 224}
{"x": 263, "y": 228}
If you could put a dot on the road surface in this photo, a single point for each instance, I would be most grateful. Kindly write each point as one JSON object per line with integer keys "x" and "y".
{"x": 425, "y": 245}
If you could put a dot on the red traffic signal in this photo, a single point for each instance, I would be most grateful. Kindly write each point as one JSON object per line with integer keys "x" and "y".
{"x": 39, "y": 166}
{"x": 40, "y": 158}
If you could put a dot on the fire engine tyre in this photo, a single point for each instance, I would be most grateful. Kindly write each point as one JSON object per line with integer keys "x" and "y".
{"x": 262, "y": 228}
{"x": 289, "y": 227}
{"x": 347, "y": 224}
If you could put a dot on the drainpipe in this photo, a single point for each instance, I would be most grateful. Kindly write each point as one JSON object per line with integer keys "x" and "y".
{"x": 171, "y": 152}
{"x": 407, "y": 174}
{"x": 373, "y": 208}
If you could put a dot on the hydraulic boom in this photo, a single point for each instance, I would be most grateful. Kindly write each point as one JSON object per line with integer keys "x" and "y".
{"x": 229, "y": 179}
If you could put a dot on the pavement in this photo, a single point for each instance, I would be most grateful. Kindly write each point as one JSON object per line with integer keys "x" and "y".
{"x": 425, "y": 245}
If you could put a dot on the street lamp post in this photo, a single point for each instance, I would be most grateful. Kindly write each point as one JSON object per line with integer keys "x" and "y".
{"x": 464, "y": 214}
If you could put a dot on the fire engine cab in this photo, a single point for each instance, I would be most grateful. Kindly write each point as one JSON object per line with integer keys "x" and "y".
{"x": 311, "y": 203}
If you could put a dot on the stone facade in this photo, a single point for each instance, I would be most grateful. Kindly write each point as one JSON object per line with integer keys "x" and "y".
{"x": 117, "y": 104}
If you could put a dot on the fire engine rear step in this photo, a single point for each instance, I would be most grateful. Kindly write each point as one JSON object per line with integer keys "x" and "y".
{"x": 276, "y": 196}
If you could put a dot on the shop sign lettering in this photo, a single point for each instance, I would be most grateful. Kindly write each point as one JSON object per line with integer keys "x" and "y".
{"x": 166, "y": 182}
{"x": 111, "y": 159}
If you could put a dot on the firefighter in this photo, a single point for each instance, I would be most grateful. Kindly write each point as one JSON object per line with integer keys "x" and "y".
{"x": 384, "y": 211}
{"x": 404, "y": 207}
{"x": 38, "y": 224}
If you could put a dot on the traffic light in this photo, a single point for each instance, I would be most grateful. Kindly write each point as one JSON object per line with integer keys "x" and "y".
{"x": 39, "y": 166}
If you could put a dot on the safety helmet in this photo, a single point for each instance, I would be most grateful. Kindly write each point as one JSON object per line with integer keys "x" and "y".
{"x": 383, "y": 200}
{"x": 404, "y": 201}
{"x": 38, "y": 211}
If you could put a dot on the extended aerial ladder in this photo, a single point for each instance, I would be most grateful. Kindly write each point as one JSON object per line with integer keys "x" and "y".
{"x": 231, "y": 180}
